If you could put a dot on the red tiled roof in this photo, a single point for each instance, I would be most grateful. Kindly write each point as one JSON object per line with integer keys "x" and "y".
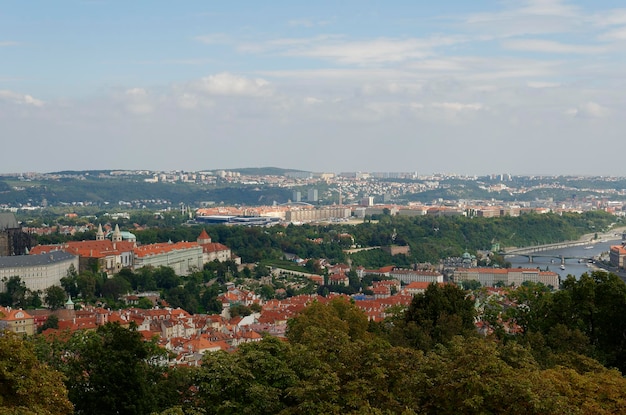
{"x": 161, "y": 248}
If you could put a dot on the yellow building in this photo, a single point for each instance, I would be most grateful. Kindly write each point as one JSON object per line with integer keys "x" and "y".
{"x": 18, "y": 321}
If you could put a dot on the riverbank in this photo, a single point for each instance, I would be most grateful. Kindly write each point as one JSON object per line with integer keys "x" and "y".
{"x": 611, "y": 235}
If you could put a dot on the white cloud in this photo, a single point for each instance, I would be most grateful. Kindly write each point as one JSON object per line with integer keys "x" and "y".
{"x": 616, "y": 34}
{"x": 550, "y": 8}
{"x": 548, "y": 46}
{"x": 615, "y": 17}
{"x": 138, "y": 101}
{"x": 529, "y": 17}
{"x": 8, "y": 43}
{"x": 228, "y": 84}
{"x": 589, "y": 110}
{"x": 458, "y": 106}
{"x": 313, "y": 100}
{"x": 364, "y": 52}
{"x": 375, "y": 51}
{"x": 20, "y": 98}
{"x": 188, "y": 101}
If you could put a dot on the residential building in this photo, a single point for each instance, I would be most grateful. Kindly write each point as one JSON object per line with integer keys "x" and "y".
{"x": 312, "y": 195}
{"x": 308, "y": 215}
{"x": 617, "y": 253}
{"x": 16, "y": 320}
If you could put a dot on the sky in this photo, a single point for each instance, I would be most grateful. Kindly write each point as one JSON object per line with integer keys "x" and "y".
{"x": 465, "y": 87}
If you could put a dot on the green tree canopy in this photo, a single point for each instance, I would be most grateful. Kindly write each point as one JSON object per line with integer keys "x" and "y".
{"x": 28, "y": 386}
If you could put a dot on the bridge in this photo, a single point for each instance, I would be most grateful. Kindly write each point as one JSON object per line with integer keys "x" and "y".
{"x": 534, "y": 251}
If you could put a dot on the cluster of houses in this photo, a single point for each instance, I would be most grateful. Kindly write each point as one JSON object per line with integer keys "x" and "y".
{"x": 188, "y": 336}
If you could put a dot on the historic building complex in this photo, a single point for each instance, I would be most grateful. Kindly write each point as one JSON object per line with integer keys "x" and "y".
{"x": 39, "y": 271}
{"x": 112, "y": 255}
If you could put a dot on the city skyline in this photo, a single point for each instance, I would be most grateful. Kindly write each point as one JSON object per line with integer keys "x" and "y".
{"x": 528, "y": 87}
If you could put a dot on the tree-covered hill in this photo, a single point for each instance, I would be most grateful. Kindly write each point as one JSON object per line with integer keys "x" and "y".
{"x": 107, "y": 191}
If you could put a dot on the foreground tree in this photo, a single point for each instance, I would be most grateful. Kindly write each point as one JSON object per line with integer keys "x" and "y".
{"x": 435, "y": 317}
{"x": 27, "y": 386}
{"x": 109, "y": 371}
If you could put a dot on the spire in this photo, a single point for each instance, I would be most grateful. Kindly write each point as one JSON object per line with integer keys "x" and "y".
{"x": 117, "y": 235}
{"x": 100, "y": 233}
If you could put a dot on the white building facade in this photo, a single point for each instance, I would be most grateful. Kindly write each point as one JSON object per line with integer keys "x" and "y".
{"x": 38, "y": 272}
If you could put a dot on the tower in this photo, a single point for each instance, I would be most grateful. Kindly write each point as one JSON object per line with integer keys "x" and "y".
{"x": 117, "y": 235}
{"x": 100, "y": 233}
{"x": 312, "y": 195}
{"x": 69, "y": 304}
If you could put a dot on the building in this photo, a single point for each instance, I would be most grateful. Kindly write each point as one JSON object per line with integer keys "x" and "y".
{"x": 489, "y": 277}
{"x": 407, "y": 276}
{"x": 111, "y": 256}
{"x": 309, "y": 215}
{"x": 18, "y": 321}
{"x": 214, "y": 251}
{"x": 12, "y": 240}
{"x": 38, "y": 272}
{"x": 182, "y": 257}
{"x": 617, "y": 253}
{"x": 367, "y": 201}
{"x": 312, "y": 195}
{"x": 102, "y": 255}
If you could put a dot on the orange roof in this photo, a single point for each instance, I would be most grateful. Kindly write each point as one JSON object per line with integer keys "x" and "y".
{"x": 161, "y": 248}
{"x": 89, "y": 249}
{"x": 214, "y": 247}
{"x": 417, "y": 285}
{"x": 9, "y": 314}
{"x": 204, "y": 235}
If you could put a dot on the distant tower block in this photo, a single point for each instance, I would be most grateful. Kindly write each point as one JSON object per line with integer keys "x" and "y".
{"x": 297, "y": 196}
{"x": 312, "y": 195}
{"x": 367, "y": 201}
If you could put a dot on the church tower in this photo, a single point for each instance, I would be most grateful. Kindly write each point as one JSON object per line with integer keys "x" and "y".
{"x": 117, "y": 235}
{"x": 100, "y": 234}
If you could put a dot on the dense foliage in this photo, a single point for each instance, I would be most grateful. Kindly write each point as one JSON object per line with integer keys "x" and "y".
{"x": 28, "y": 386}
{"x": 428, "y": 359}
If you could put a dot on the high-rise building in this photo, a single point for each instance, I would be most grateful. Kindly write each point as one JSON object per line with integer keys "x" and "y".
{"x": 367, "y": 201}
{"x": 297, "y": 196}
{"x": 312, "y": 195}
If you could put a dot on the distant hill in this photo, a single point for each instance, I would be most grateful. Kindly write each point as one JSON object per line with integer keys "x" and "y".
{"x": 263, "y": 171}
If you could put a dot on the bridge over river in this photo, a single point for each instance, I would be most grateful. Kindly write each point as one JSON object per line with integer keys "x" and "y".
{"x": 536, "y": 251}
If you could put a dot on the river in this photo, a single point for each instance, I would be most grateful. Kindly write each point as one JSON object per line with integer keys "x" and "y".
{"x": 572, "y": 266}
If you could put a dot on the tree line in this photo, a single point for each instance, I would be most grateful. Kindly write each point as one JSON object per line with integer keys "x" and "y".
{"x": 426, "y": 359}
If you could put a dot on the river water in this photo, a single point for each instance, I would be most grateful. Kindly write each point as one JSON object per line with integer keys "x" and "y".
{"x": 573, "y": 265}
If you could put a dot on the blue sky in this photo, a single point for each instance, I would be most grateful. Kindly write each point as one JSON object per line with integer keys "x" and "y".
{"x": 521, "y": 87}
